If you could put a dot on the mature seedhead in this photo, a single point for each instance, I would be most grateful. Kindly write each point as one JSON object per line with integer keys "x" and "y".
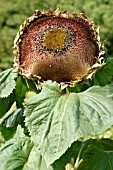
{"x": 57, "y": 46}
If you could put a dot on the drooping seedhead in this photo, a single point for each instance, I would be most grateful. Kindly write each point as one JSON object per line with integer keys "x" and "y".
{"x": 56, "y": 46}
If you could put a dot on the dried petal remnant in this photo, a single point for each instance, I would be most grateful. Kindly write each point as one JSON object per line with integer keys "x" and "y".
{"x": 60, "y": 48}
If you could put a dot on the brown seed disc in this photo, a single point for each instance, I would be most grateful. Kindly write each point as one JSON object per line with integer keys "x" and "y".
{"x": 57, "y": 48}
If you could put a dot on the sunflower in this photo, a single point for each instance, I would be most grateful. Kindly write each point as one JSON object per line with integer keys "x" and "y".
{"x": 57, "y": 46}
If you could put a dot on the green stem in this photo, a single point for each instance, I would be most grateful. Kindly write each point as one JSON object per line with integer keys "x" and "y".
{"x": 78, "y": 161}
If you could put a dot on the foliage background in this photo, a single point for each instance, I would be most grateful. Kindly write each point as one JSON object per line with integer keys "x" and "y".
{"x": 14, "y": 12}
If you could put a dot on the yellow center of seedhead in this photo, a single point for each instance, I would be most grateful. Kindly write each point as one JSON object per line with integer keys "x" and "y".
{"x": 54, "y": 39}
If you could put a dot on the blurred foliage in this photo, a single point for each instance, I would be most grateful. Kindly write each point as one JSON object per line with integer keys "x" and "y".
{"x": 14, "y": 12}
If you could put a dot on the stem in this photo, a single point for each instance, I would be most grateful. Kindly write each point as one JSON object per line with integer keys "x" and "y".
{"x": 78, "y": 161}
{"x": 70, "y": 166}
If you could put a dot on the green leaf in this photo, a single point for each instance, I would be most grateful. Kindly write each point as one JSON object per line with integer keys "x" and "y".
{"x": 104, "y": 75}
{"x": 71, "y": 153}
{"x": 7, "y": 82}
{"x": 55, "y": 120}
{"x": 22, "y": 87}
{"x": 9, "y": 123}
{"x": 19, "y": 153}
{"x": 7, "y": 133}
{"x": 6, "y": 103}
{"x": 36, "y": 161}
{"x": 97, "y": 155}
{"x": 15, "y": 152}
{"x": 12, "y": 118}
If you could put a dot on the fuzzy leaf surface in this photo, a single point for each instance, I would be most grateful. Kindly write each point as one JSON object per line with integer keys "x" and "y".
{"x": 19, "y": 153}
{"x": 97, "y": 155}
{"x": 55, "y": 119}
{"x": 7, "y": 82}
{"x": 36, "y": 161}
{"x": 15, "y": 152}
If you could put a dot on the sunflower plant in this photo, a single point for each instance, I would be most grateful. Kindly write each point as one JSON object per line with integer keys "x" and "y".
{"x": 56, "y": 103}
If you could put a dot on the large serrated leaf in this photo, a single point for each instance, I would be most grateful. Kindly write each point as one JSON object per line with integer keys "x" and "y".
{"x": 105, "y": 74}
{"x": 15, "y": 152}
{"x": 35, "y": 161}
{"x": 7, "y": 82}
{"x": 55, "y": 120}
{"x": 19, "y": 153}
{"x": 97, "y": 155}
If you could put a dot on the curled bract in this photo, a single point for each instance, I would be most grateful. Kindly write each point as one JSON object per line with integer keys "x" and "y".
{"x": 57, "y": 46}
